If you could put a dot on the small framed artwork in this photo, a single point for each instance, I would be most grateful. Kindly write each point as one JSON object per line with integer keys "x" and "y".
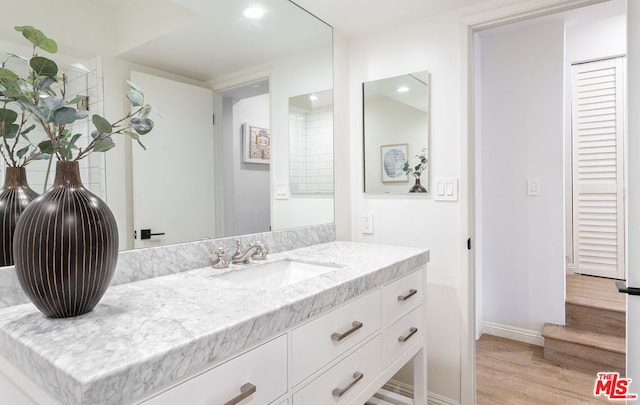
{"x": 392, "y": 158}
{"x": 256, "y": 144}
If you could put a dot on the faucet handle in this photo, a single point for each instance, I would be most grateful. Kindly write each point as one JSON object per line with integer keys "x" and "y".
{"x": 219, "y": 261}
{"x": 261, "y": 252}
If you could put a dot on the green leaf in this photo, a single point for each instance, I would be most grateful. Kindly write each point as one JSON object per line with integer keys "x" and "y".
{"x": 11, "y": 130}
{"x": 7, "y": 74}
{"x": 8, "y": 116}
{"x": 104, "y": 145}
{"x": 38, "y": 38}
{"x": 20, "y": 153}
{"x": 81, "y": 114}
{"x": 135, "y": 98}
{"x": 42, "y": 156}
{"x": 74, "y": 139}
{"x": 34, "y": 109}
{"x": 136, "y": 137}
{"x": 46, "y": 82}
{"x": 43, "y": 66}
{"x": 27, "y": 130}
{"x": 101, "y": 124}
{"x": 133, "y": 86}
{"x": 46, "y": 147}
{"x": 141, "y": 125}
{"x": 67, "y": 154}
{"x": 65, "y": 115}
{"x": 145, "y": 111}
{"x": 53, "y": 103}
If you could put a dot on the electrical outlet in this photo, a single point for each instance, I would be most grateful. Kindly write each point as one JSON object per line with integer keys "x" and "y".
{"x": 367, "y": 223}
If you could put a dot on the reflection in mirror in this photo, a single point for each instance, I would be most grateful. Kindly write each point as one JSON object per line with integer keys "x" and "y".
{"x": 207, "y": 45}
{"x": 311, "y": 143}
{"x": 396, "y": 130}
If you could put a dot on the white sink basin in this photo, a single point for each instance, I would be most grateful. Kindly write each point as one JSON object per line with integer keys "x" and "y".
{"x": 276, "y": 274}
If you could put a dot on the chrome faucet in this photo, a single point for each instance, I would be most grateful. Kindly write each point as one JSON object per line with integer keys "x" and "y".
{"x": 255, "y": 251}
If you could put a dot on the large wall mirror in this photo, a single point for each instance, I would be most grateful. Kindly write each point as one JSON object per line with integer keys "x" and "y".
{"x": 396, "y": 134}
{"x": 213, "y": 73}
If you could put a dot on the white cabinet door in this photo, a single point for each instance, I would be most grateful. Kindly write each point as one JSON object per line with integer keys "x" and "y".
{"x": 260, "y": 375}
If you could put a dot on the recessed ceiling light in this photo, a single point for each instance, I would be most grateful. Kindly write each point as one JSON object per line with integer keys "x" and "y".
{"x": 253, "y": 12}
{"x": 313, "y": 98}
{"x": 402, "y": 89}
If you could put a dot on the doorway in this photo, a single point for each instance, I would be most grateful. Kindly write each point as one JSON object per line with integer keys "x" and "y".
{"x": 243, "y": 186}
{"x": 520, "y": 172}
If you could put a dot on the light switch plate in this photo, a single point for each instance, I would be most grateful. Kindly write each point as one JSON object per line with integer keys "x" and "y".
{"x": 366, "y": 226}
{"x": 533, "y": 186}
{"x": 282, "y": 191}
{"x": 446, "y": 189}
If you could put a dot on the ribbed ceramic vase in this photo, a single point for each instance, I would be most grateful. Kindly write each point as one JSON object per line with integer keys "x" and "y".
{"x": 66, "y": 247}
{"x": 15, "y": 195}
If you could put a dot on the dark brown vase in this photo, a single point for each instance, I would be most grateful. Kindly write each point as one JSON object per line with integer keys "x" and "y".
{"x": 66, "y": 247}
{"x": 15, "y": 195}
{"x": 417, "y": 188}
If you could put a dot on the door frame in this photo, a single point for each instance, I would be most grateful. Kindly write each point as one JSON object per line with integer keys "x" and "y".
{"x": 469, "y": 170}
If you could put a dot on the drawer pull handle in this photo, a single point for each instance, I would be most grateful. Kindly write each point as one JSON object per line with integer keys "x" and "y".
{"x": 339, "y": 336}
{"x": 412, "y": 331}
{"x": 245, "y": 391}
{"x": 339, "y": 392}
{"x": 410, "y": 294}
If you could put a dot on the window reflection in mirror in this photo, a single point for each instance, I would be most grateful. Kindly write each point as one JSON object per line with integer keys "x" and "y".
{"x": 396, "y": 129}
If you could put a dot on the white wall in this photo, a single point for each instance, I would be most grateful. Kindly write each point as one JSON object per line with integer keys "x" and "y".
{"x": 249, "y": 182}
{"x": 416, "y": 220}
{"x": 521, "y": 137}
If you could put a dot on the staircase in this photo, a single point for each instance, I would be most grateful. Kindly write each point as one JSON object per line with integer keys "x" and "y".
{"x": 594, "y": 336}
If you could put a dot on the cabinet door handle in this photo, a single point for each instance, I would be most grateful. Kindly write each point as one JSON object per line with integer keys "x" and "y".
{"x": 410, "y": 294}
{"x": 339, "y": 336}
{"x": 338, "y": 392}
{"x": 412, "y": 331}
{"x": 245, "y": 391}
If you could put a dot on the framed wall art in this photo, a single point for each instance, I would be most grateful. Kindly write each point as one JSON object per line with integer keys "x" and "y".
{"x": 256, "y": 144}
{"x": 392, "y": 160}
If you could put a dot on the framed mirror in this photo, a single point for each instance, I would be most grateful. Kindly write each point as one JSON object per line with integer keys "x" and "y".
{"x": 396, "y": 134}
{"x": 248, "y": 68}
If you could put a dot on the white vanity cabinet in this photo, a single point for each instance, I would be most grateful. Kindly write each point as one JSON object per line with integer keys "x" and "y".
{"x": 339, "y": 357}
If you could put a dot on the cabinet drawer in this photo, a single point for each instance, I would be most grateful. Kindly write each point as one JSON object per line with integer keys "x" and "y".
{"x": 341, "y": 383}
{"x": 318, "y": 342}
{"x": 402, "y": 335}
{"x": 401, "y": 296}
{"x": 264, "y": 367}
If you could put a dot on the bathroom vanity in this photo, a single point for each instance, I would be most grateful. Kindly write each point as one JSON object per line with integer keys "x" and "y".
{"x": 325, "y": 324}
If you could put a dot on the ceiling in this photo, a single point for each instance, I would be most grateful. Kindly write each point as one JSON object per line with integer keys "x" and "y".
{"x": 358, "y": 17}
{"x": 204, "y": 42}
{"x": 206, "y": 39}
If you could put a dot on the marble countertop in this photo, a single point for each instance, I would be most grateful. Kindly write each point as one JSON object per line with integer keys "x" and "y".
{"x": 146, "y": 334}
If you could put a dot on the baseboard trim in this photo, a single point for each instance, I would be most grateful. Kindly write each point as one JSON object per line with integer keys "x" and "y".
{"x": 407, "y": 390}
{"x": 514, "y": 333}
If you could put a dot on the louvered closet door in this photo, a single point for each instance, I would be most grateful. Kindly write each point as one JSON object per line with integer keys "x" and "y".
{"x": 598, "y": 187}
